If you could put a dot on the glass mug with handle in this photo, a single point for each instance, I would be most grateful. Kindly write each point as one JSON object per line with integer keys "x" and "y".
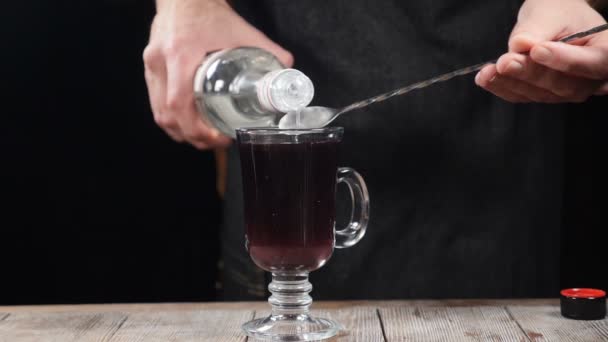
{"x": 289, "y": 185}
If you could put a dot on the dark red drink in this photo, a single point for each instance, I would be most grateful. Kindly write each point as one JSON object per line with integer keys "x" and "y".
{"x": 289, "y": 198}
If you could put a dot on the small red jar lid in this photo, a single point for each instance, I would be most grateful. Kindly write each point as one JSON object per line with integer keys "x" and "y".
{"x": 583, "y": 293}
{"x": 583, "y": 303}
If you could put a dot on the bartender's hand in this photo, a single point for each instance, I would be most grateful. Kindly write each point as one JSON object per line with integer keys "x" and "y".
{"x": 182, "y": 33}
{"x": 553, "y": 72}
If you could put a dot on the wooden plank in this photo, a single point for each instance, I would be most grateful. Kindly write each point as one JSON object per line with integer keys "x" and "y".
{"x": 60, "y": 326}
{"x": 198, "y": 325}
{"x": 545, "y": 323}
{"x": 529, "y": 321}
{"x": 137, "y": 307}
{"x": 361, "y": 323}
{"x": 264, "y": 305}
{"x": 417, "y": 323}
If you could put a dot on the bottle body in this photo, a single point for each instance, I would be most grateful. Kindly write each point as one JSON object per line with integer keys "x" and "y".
{"x": 247, "y": 87}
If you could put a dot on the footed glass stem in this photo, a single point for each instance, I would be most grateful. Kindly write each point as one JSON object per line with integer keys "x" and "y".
{"x": 290, "y": 319}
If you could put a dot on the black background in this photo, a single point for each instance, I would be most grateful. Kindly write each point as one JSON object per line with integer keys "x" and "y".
{"x": 98, "y": 205}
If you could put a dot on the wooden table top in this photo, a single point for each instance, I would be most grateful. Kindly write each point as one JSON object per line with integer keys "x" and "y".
{"x": 369, "y": 321}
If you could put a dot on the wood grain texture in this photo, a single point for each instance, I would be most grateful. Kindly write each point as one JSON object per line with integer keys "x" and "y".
{"x": 361, "y": 323}
{"x": 197, "y": 325}
{"x": 137, "y": 307}
{"x": 445, "y": 320}
{"x": 61, "y": 326}
{"x": 418, "y": 323}
{"x": 545, "y": 323}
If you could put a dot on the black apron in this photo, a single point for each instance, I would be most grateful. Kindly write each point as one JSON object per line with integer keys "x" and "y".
{"x": 465, "y": 188}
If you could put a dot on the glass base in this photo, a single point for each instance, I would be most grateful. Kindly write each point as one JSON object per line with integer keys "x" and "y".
{"x": 300, "y": 327}
{"x": 290, "y": 319}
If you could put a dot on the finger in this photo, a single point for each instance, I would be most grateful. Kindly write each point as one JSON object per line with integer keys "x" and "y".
{"x": 181, "y": 106}
{"x": 485, "y": 79}
{"x": 523, "y": 68}
{"x": 153, "y": 91}
{"x": 506, "y": 87}
{"x": 533, "y": 26}
{"x": 602, "y": 90}
{"x": 282, "y": 55}
{"x": 180, "y": 77}
{"x": 156, "y": 95}
{"x": 170, "y": 126}
{"x": 200, "y": 145}
{"x": 260, "y": 40}
{"x": 202, "y": 136}
{"x": 583, "y": 61}
{"x": 153, "y": 59}
{"x": 523, "y": 89}
{"x": 523, "y": 42}
{"x": 175, "y": 134}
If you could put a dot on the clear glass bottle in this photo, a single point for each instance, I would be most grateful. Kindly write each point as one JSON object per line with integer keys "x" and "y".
{"x": 248, "y": 87}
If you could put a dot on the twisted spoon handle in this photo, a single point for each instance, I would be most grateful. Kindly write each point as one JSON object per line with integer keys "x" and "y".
{"x": 452, "y": 74}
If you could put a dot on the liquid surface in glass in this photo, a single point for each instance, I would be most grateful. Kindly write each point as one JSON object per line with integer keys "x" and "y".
{"x": 289, "y": 200}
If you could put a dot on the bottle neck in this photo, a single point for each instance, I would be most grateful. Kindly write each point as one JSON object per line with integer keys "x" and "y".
{"x": 247, "y": 87}
{"x": 264, "y": 91}
{"x": 284, "y": 90}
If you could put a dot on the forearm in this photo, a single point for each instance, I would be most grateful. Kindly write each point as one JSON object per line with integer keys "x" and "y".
{"x": 164, "y": 3}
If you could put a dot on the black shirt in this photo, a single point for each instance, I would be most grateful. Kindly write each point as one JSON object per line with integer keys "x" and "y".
{"x": 466, "y": 189}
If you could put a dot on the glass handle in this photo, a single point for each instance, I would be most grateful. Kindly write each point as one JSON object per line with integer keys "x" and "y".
{"x": 359, "y": 216}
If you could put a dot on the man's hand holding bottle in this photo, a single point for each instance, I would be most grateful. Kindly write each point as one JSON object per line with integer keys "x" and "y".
{"x": 182, "y": 34}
